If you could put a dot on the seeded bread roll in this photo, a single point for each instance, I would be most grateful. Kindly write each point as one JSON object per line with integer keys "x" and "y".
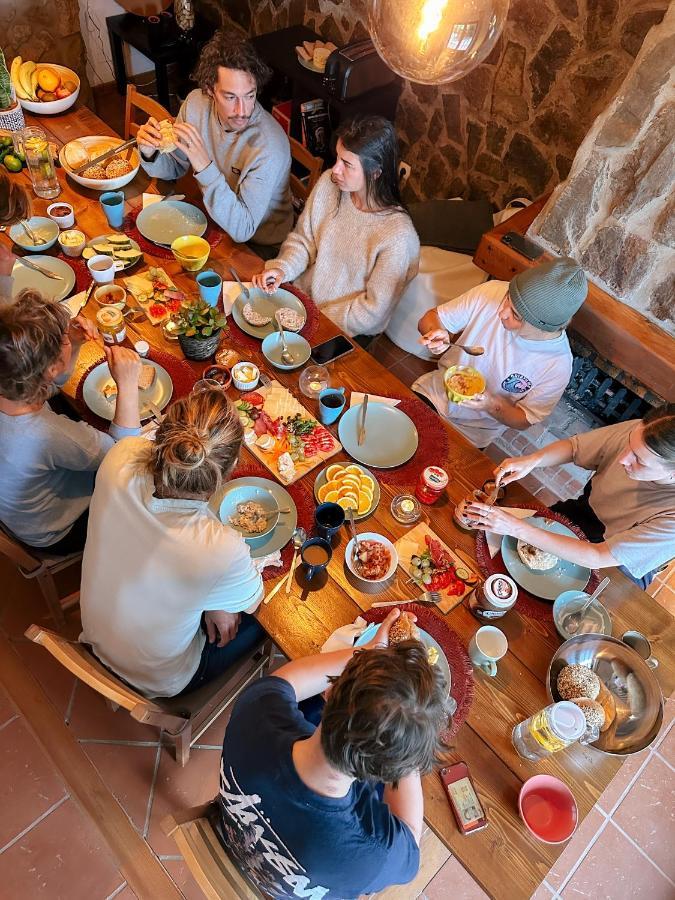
{"x": 578, "y": 681}
{"x": 593, "y": 712}
{"x": 403, "y": 629}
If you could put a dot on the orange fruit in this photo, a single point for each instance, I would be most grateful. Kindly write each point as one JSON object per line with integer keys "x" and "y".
{"x": 348, "y": 492}
{"x": 331, "y": 497}
{"x": 48, "y": 79}
{"x": 365, "y": 502}
{"x": 354, "y": 470}
{"x": 323, "y": 490}
{"x": 333, "y": 470}
{"x": 350, "y": 483}
{"x": 347, "y": 503}
{"x": 367, "y": 483}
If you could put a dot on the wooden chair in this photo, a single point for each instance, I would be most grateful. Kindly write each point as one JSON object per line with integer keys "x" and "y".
{"x": 42, "y": 566}
{"x": 183, "y": 719}
{"x": 136, "y": 100}
{"x": 215, "y": 872}
{"x": 301, "y": 187}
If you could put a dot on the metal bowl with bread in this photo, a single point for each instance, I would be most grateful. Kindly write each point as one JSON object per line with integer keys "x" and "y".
{"x": 632, "y": 698}
{"x": 110, "y": 175}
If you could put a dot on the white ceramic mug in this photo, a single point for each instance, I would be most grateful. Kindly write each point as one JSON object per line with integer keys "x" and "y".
{"x": 487, "y": 646}
{"x": 102, "y": 269}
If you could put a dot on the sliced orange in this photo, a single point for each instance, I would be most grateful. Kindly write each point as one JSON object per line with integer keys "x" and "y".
{"x": 347, "y": 502}
{"x": 351, "y": 479}
{"x": 339, "y": 475}
{"x": 367, "y": 482}
{"x": 333, "y": 485}
{"x": 331, "y": 497}
{"x": 366, "y": 491}
{"x": 323, "y": 490}
{"x": 365, "y": 503}
{"x": 332, "y": 471}
{"x": 354, "y": 470}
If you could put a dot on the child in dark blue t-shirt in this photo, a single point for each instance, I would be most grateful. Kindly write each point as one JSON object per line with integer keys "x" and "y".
{"x": 300, "y": 806}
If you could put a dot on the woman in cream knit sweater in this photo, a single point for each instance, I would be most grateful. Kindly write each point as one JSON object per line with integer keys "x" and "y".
{"x": 354, "y": 248}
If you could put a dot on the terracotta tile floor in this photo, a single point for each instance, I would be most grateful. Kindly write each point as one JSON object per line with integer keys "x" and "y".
{"x": 50, "y": 848}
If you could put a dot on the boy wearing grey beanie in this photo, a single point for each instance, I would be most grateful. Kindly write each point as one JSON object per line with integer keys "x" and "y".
{"x": 527, "y": 361}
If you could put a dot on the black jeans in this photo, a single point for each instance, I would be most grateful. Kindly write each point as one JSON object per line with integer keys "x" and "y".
{"x": 582, "y": 514}
{"x": 215, "y": 659}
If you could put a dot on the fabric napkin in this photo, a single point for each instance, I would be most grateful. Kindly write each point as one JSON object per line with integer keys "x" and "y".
{"x": 231, "y": 291}
{"x": 494, "y": 541}
{"x": 272, "y": 559}
{"x": 345, "y": 635}
{"x": 149, "y": 199}
{"x": 356, "y": 398}
{"x": 75, "y": 303}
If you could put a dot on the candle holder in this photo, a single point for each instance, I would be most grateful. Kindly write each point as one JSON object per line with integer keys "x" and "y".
{"x": 313, "y": 380}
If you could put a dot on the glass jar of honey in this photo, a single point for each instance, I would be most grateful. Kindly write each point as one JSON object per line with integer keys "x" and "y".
{"x": 110, "y": 322}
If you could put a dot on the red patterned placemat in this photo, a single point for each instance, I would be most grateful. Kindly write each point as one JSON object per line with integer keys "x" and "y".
{"x": 304, "y": 502}
{"x": 181, "y": 373}
{"x": 242, "y": 341}
{"x": 528, "y": 604}
{"x": 433, "y": 446}
{"x": 79, "y": 267}
{"x": 462, "y": 687}
{"x": 213, "y": 235}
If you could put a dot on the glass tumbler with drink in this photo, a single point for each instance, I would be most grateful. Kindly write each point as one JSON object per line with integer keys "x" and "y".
{"x": 40, "y": 162}
{"x": 551, "y": 729}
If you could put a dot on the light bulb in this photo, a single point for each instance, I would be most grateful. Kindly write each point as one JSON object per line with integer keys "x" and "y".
{"x": 435, "y": 41}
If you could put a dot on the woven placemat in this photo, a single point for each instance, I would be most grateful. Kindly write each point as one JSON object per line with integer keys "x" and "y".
{"x": 433, "y": 446}
{"x": 242, "y": 341}
{"x": 213, "y": 235}
{"x": 528, "y": 604}
{"x": 462, "y": 688}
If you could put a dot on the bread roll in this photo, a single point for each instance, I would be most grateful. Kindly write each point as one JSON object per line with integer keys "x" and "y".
{"x": 578, "y": 681}
{"x": 403, "y": 629}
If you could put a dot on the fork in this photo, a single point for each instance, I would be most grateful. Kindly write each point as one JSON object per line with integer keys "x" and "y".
{"x": 428, "y": 597}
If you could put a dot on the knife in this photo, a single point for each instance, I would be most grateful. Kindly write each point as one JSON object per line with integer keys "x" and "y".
{"x": 244, "y": 290}
{"x": 112, "y": 152}
{"x": 155, "y": 410}
{"x": 362, "y": 427}
{"x": 36, "y": 268}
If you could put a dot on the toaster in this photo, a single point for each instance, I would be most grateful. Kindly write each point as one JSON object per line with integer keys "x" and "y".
{"x": 355, "y": 70}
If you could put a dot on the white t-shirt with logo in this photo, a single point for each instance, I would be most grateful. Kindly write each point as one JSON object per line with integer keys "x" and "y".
{"x": 150, "y": 568}
{"x": 530, "y": 374}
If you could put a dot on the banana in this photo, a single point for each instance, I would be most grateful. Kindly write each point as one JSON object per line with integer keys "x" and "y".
{"x": 26, "y": 69}
{"x": 14, "y": 75}
{"x": 34, "y": 83}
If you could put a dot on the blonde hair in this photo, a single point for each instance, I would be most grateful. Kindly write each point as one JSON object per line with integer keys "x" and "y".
{"x": 15, "y": 203}
{"x": 31, "y": 340}
{"x": 198, "y": 443}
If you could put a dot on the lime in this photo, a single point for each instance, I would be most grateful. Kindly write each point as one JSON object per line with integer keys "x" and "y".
{"x": 5, "y": 140}
{"x": 12, "y": 164}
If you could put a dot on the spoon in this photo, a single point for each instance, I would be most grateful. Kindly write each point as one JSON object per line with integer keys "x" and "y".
{"x": 35, "y": 238}
{"x": 245, "y": 291}
{"x": 286, "y": 355}
{"x": 355, "y": 549}
{"x": 470, "y": 349}
{"x": 572, "y": 623}
{"x": 299, "y": 538}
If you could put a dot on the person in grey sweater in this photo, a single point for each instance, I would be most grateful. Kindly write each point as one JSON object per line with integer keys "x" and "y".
{"x": 48, "y": 461}
{"x": 354, "y": 248}
{"x": 239, "y": 154}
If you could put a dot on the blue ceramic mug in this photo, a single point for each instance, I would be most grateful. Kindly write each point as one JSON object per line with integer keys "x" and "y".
{"x": 112, "y": 204}
{"x": 329, "y": 518}
{"x": 315, "y": 554}
{"x": 210, "y": 284}
{"x": 331, "y": 403}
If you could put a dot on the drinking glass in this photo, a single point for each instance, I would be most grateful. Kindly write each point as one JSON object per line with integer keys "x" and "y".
{"x": 40, "y": 162}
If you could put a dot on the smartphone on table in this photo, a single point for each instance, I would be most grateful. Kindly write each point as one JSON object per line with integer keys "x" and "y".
{"x": 522, "y": 245}
{"x": 331, "y": 350}
{"x": 463, "y": 799}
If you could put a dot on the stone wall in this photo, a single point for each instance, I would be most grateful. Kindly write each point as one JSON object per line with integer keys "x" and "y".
{"x": 615, "y": 213}
{"x": 45, "y": 31}
{"x": 512, "y": 126}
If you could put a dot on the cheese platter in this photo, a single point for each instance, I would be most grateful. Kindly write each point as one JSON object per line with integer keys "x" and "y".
{"x": 433, "y": 566}
{"x": 282, "y": 435}
{"x": 155, "y": 293}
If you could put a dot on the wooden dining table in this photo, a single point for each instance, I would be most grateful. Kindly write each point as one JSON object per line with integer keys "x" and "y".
{"x": 505, "y": 859}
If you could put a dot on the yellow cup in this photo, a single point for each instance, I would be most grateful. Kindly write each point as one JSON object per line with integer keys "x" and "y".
{"x": 191, "y": 252}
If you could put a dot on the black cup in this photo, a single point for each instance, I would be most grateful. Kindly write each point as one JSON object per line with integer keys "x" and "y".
{"x": 329, "y": 518}
{"x": 315, "y": 554}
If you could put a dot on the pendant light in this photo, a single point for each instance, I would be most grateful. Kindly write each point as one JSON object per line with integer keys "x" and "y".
{"x": 435, "y": 41}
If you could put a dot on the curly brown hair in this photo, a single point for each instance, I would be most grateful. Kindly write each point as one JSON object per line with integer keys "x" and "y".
{"x": 384, "y": 714}
{"x": 197, "y": 444}
{"x": 15, "y": 203}
{"x": 229, "y": 51}
{"x": 31, "y": 338}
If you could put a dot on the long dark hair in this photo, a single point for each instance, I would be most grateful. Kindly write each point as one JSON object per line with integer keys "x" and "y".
{"x": 373, "y": 139}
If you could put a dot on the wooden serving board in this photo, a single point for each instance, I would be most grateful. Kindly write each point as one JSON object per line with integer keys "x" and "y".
{"x": 141, "y": 285}
{"x": 413, "y": 544}
{"x": 279, "y": 401}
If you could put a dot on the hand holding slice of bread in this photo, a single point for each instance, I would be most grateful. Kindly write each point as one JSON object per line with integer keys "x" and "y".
{"x": 146, "y": 379}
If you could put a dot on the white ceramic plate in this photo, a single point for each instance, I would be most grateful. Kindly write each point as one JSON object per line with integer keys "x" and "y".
{"x": 163, "y": 222}
{"x": 548, "y": 584}
{"x": 159, "y": 393}
{"x": 265, "y": 305}
{"x": 50, "y": 288}
{"x": 372, "y": 536}
{"x": 391, "y": 437}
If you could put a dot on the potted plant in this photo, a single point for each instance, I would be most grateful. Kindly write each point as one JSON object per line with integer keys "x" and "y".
{"x": 11, "y": 114}
{"x": 199, "y": 327}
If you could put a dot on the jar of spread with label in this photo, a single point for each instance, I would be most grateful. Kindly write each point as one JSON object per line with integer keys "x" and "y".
{"x": 494, "y": 598}
{"x": 431, "y": 484}
{"x": 460, "y": 517}
{"x": 110, "y": 322}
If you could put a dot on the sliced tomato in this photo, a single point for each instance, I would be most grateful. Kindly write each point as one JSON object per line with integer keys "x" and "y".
{"x": 255, "y": 399}
{"x": 157, "y": 310}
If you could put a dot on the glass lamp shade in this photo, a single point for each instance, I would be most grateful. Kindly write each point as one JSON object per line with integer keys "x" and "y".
{"x": 435, "y": 41}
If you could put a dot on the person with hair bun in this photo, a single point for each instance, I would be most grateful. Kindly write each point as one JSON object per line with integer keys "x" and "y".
{"x": 48, "y": 461}
{"x": 157, "y": 558}
{"x": 627, "y": 509}
{"x": 15, "y": 205}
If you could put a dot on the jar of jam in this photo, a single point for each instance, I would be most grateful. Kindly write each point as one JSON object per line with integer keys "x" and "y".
{"x": 432, "y": 482}
{"x": 110, "y": 322}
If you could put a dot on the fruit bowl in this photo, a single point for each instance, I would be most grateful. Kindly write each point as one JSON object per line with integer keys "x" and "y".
{"x": 51, "y": 107}
{"x": 103, "y": 142}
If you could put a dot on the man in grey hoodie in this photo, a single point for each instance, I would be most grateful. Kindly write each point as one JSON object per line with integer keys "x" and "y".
{"x": 239, "y": 154}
